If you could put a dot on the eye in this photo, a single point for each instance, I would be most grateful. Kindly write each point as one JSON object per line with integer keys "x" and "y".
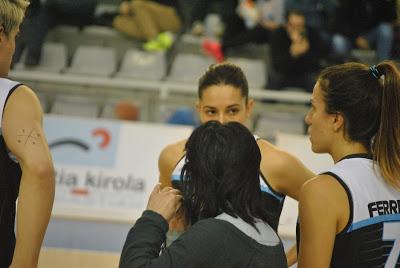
{"x": 210, "y": 112}
{"x": 233, "y": 111}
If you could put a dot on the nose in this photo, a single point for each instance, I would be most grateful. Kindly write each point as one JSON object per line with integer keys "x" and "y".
{"x": 307, "y": 118}
{"x": 221, "y": 118}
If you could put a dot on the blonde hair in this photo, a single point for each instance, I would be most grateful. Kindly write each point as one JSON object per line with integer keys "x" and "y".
{"x": 12, "y": 14}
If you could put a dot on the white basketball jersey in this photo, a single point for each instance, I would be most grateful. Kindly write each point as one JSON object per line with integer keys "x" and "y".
{"x": 372, "y": 235}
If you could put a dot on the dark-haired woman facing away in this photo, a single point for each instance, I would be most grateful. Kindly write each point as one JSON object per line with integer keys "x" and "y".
{"x": 222, "y": 196}
{"x": 350, "y": 215}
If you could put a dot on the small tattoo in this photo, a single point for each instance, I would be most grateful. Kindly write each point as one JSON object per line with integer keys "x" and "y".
{"x": 32, "y": 137}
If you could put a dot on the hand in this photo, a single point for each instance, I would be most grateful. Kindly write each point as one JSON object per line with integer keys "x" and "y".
{"x": 295, "y": 35}
{"x": 269, "y": 24}
{"x": 180, "y": 221}
{"x": 124, "y": 9}
{"x": 362, "y": 43}
{"x": 299, "y": 48}
{"x": 165, "y": 202}
{"x": 198, "y": 28}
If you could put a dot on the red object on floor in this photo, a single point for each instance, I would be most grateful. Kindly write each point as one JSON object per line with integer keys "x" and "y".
{"x": 125, "y": 110}
{"x": 213, "y": 48}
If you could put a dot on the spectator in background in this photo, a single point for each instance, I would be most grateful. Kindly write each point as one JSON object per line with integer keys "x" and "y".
{"x": 364, "y": 24}
{"x": 319, "y": 15}
{"x": 149, "y": 21}
{"x": 296, "y": 51}
{"x": 254, "y": 22}
{"x": 201, "y": 8}
{"x": 396, "y": 38}
{"x": 26, "y": 169}
{"x": 22, "y": 39}
{"x": 222, "y": 197}
{"x": 43, "y": 18}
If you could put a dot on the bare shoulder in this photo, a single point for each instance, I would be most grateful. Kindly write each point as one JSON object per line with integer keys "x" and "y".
{"x": 168, "y": 159}
{"x": 275, "y": 159}
{"x": 284, "y": 172}
{"x": 329, "y": 193}
{"x": 23, "y": 101}
{"x": 325, "y": 189}
{"x": 321, "y": 185}
{"x": 24, "y": 93}
{"x": 173, "y": 152}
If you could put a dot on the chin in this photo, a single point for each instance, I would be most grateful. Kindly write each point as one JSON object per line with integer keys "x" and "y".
{"x": 319, "y": 150}
{"x": 315, "y": 148}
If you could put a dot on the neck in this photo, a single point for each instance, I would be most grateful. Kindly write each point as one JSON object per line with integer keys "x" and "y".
{"x": 345, "y": 148}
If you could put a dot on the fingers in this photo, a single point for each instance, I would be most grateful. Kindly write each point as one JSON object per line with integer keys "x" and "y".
{"x": 170, "y": 190}
{"x": 178, "y": 202}
{"x": 156, "y": 189}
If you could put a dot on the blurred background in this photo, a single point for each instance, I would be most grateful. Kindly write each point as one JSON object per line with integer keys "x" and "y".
{"x": 117, "y": 81}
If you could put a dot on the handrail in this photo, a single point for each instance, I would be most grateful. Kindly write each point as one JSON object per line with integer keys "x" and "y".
{"x": 164, "y": 88}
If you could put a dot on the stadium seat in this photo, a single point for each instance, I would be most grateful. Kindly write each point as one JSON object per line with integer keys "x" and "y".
{"x": 143, "y": 65}
{"x": 93, "y": 60}
{"x": 188, "y": 68}
{"x": 53, "y": 59}
{"x": 255, "y": 71}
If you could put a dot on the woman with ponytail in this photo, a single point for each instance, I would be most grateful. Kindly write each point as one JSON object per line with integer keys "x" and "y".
{"x": 350, "y": 215}
{"x": 229, "y": 222}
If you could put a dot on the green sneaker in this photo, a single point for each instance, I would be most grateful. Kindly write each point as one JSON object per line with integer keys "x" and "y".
{"x": 162, "y": 42}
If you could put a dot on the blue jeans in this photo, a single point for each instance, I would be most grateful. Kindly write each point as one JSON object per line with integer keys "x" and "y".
{"x": 380, "y": 37}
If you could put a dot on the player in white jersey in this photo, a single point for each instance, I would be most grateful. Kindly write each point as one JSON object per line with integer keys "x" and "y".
{"x": 350, "y": 215}
{"x": 25, "y": 162}
{"x": 224, "y": 96}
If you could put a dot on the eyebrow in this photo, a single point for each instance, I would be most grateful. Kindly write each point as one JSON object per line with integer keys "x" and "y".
{"x": 233, "y": 105}
{"x": 230, "y": 106}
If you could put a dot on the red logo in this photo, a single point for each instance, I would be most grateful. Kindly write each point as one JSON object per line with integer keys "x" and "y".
{"x": 105, "y": 137}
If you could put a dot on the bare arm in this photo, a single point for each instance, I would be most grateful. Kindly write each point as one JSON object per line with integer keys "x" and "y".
{"x": 23, "y": 134}
{"x": 291, "y": 255}
{"x": 167, "y": 161}
{"x": 284, "y": 172}
{"x": 269, "y": 24}
{"x": 324, "y": 212}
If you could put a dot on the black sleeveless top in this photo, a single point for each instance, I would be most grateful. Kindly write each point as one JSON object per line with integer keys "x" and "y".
{"x": 10, "y": 176}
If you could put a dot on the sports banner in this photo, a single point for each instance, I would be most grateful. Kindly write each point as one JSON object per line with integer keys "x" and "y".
{"x": 106, "y": 169}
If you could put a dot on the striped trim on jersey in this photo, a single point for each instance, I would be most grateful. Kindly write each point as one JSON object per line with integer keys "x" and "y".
{"x": 370, "y": 238}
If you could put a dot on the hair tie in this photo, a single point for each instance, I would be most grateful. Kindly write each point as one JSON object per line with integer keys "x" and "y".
{"x": 374, "y": 71}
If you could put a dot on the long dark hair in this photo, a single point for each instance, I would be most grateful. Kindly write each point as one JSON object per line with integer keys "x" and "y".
{"x": 369, "y": 99}
{"x": 221, "y": 173}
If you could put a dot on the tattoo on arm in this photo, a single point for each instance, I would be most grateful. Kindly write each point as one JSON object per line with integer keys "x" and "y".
{"x": 29, "y": 136}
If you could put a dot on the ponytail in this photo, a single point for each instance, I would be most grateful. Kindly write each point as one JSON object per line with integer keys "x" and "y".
{"x": 386, "y": 143}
